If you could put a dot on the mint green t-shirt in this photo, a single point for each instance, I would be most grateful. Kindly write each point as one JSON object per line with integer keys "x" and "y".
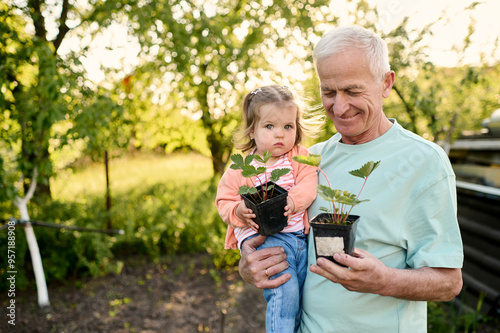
{"x": 409, "y": 222}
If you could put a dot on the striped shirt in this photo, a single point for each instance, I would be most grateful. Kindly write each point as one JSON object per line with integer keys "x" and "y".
{"x": 296, "y": 220}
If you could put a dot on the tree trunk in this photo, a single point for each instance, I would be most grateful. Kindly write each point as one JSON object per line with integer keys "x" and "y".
{"x": 220, "y": 147}
{"x": 219, "y": 152}
{"x": 36, "y": 259}
{"x": 40, "y": 155}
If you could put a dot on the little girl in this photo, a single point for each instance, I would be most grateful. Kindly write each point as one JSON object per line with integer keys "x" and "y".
{"x": 272, "y": 121}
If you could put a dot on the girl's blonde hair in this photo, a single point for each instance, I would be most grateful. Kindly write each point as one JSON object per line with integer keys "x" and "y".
{"x": 279, "y": 95}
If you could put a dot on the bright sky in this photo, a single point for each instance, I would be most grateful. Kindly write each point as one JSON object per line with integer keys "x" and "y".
{"x": 450, "y": 32}
{"x": 118, "y": 53}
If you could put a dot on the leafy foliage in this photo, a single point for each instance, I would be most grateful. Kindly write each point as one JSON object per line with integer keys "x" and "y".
{"x": 216, "y": 50}
{"x": 365, "y": 170}
{"x": 248, "y": 171}
{"x": 340, "y": 200}
{"x": 42, "y": 91}
{"x": 167, "y": 210}
{"x": 311, "y": 159}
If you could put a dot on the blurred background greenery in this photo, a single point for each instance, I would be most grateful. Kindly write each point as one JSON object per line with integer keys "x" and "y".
{"x": 163, "y": 100}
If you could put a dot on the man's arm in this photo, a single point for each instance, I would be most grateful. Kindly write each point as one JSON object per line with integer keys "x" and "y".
{"x": 367, "y": 274}
{"x": 254, "y": 263}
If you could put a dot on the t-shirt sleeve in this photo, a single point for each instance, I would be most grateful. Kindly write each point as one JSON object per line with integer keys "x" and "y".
{"x": 432, "y": 234}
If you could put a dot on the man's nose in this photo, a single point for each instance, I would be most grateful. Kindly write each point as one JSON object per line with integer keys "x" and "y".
{"x": 340, "y": 104}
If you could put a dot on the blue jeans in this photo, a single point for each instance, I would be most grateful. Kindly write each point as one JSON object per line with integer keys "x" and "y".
{"x": 284, "y": 303}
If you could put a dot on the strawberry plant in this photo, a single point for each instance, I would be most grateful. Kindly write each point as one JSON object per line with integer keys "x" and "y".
{"x": 341, "y": 202}
{"x": 248, "y": 171}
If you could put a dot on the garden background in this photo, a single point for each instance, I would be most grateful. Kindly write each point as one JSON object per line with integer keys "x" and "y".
{"x": 163, "y": 105}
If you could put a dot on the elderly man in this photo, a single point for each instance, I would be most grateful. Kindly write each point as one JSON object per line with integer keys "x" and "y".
{"x": 408, "y": 246}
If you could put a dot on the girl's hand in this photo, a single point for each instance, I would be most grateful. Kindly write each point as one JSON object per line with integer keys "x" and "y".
{"x": 290, "y": 207}
{"x": 246, "y": 215}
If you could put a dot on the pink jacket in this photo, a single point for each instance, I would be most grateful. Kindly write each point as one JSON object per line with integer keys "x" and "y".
{"x": 302, "y": 194}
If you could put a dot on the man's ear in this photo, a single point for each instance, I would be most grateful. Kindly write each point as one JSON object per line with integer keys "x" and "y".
{"x": 388, "y": 83}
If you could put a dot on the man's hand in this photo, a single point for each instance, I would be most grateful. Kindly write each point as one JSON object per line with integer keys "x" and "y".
{"x": 256, "y": 266}
{"x": 367, "y": 274}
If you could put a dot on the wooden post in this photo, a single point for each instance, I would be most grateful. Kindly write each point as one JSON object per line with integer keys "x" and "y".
{"x": 108, "y": 191}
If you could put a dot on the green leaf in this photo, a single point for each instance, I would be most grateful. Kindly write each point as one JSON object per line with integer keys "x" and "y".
{"x": 365, "y": 170}
{"x": 277, "y": 173}
{"x": 261, "y": 169}
{"x": 350, "y": 201}
{"x": 237, "y": 160}
{"x": 244, "y": 189}
{"x": 249, "y": 171}
{"x": 249, "y": 159}
{"x": 265, "y": 158}
{"x": 327, "y": 193}
{"x": 312, "y": 159}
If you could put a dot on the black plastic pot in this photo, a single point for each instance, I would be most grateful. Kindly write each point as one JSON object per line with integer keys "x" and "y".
{"x": 269, "y": 213}
{"x": 332, "y": 238}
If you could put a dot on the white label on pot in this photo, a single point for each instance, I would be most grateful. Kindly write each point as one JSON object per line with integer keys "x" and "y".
{"x": 327, "y": 246}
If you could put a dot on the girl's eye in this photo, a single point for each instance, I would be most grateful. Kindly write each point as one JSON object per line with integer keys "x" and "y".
{"x": 288, "y": 126}
{"x": 269, "y": 126}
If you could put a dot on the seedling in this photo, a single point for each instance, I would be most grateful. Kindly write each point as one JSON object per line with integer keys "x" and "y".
{"x": 248, "y": 171}
{"x": 340, "y": 200}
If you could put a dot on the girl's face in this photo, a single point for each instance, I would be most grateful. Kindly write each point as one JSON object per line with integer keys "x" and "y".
{"x": 276, "y": 129}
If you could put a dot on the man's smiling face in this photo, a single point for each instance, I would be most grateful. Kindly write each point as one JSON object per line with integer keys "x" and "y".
{"x": 352, "y": 97}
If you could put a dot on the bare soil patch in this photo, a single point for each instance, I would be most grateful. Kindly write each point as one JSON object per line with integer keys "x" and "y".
{"x": 184, "y": 293}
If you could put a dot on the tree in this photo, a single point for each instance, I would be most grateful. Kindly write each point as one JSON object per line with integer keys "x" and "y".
{"x": 436, "y": 103}
{"x": 40, "y": 87}
{"x": 210, "y": 53}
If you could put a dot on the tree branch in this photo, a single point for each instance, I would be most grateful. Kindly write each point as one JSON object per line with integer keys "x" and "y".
{"x": 63, "y": 28}
{"x": 18, "y": 201}
{"x": 409, "y": 109}
{"x": 38, "y": 19}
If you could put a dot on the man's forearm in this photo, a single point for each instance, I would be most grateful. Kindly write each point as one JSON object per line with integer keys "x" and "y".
{"x": 424, "y": 284}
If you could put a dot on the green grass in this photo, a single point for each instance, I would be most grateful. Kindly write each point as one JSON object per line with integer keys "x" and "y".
{"x": 130, "y": 173}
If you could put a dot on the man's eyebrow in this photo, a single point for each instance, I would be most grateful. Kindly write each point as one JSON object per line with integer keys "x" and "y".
{"x": 351, "y": 87}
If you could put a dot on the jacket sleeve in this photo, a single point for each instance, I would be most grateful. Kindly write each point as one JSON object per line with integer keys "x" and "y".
{"x": 306, "y": 179}
{"x": 228, "y": 199}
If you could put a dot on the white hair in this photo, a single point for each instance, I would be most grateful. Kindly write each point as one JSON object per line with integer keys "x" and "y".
{"x": 346, "y": 37}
